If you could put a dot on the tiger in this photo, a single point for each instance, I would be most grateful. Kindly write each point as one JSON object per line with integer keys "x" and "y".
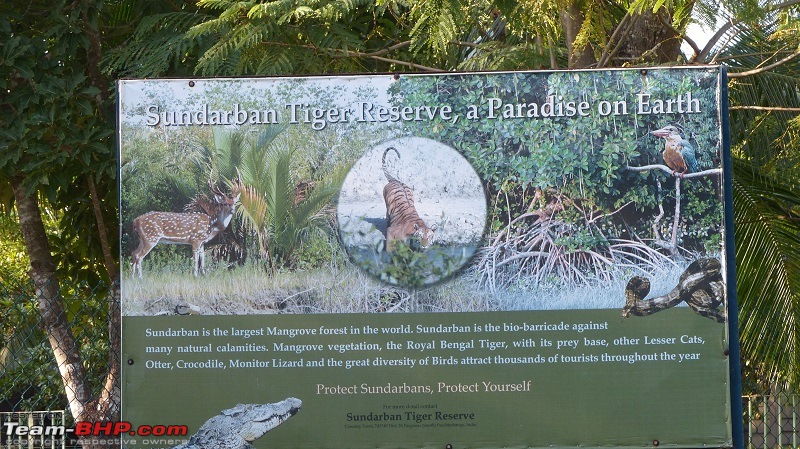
{"x": 403, "y": 223}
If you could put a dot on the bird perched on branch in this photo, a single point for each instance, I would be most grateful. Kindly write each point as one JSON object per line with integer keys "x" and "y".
{"x": 678, "y": 152}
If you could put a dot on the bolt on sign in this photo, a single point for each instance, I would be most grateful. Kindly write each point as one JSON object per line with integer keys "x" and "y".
{"x": 477, "y": 260}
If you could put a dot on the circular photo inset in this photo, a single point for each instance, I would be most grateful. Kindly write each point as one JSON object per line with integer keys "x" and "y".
{"x": 412, "y": 212}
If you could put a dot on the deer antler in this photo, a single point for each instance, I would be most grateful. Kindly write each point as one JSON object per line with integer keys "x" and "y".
{"x": 236, "y": 188}
{"x": 214, "y": 189}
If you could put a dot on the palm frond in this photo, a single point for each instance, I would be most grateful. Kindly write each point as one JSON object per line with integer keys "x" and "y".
{"x": 768, "y": 270}
{"x": 764, "y": 124}
{"x": 252, "y": 211}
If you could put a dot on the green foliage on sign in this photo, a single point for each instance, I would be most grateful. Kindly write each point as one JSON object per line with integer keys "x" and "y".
{"x": 532, "y": 137}
{"x": 287, "y": 178}
{"x": 409, "y": 267}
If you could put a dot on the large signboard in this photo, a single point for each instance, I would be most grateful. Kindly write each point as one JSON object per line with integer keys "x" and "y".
{"x": 529, "y": 259}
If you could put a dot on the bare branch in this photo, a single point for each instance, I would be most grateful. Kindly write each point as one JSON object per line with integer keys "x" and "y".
{"x": 376, "y": 55}
{"x": 695, "y": 49}
{"x": 713, "y": 41}
{"x": 339, "y": 53}
{"x": 765, "y": 68}
{"x": 665, "y": 169}
{"x": 683, "y": 36}
{"x": 757, "y": 54}
{"x": 347, "y": 53}
{"x": 97, "y": 208}
{"x": 522, "y": 256}
{"x": 607, "y": 55}
{"x": 731, "y": 23}
{"x": 591, "y": 219}
{"x": 466, "y": 44}
{"x": 657, "y": 219}
{"x": 677, "y": 217}
{"x": 407, "y": 64}
{"x": 764, "y": 108}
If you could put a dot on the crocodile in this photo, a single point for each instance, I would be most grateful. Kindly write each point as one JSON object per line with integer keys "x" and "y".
{"x": 237, "y": 427}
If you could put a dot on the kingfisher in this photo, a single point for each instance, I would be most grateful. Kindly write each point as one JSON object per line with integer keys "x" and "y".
{"x": 678, "y": 152}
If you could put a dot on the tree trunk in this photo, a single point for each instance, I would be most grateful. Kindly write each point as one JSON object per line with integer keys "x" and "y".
{"x": 54, "y": 322}
{"x": 572, "y": 21}
{"x": 650, "y": 40}
{"x": 642, "y": 38}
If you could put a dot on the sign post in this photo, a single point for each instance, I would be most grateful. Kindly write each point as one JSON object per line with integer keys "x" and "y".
{"x": 526, "y": 259}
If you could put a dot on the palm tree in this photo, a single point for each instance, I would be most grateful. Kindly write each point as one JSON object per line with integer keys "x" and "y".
{"x": 766, "y": 181}
{"x": 768, "y": 269}
{"x": 276, "y": 207}
{"x": 759, "y": 45}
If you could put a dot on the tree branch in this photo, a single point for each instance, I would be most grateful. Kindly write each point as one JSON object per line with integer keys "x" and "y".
{"x": 764, "y": 108}
{"x": 731, "y": 23}
{"x": 407, "y": 64}
{"x": 713, "y": 41}
{"x": 665, "y": 169}
{"x": 108, "y": 259}
{"x": 657, "y": 219}
{"x": 677, "y": 216}
{"x": 607, "y": 55}
{"x": 346, "y": 53}
{"x": 591, "y": 219}
{"x": 94, "y": 57}
{"x": 378, "y": 56}
{"x": 106, "y": 405}
{"x": 523, "y": 255}
{"x": 695, "y": 49}
{"x": 683, "y": 36}
{"x": 746, "y": 55}
{"x": 339, "y": 53}
{"x": 765, "y": 68}
{"x": 467, "y": 44}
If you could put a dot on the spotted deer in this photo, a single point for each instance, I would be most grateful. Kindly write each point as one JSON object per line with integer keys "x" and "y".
{"x": 209, "y": 218}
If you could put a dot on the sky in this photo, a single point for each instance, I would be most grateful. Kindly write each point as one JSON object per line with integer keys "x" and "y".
{"x": 700, "y": 35}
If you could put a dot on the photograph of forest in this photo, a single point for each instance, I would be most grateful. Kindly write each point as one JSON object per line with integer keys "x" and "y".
{"x": 586, "y": 180}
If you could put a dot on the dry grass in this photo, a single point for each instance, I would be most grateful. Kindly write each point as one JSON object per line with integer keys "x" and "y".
{"x": 596, "y": 294}
{"x": 343, "y": 288}
{"x": 250, "y": 290}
